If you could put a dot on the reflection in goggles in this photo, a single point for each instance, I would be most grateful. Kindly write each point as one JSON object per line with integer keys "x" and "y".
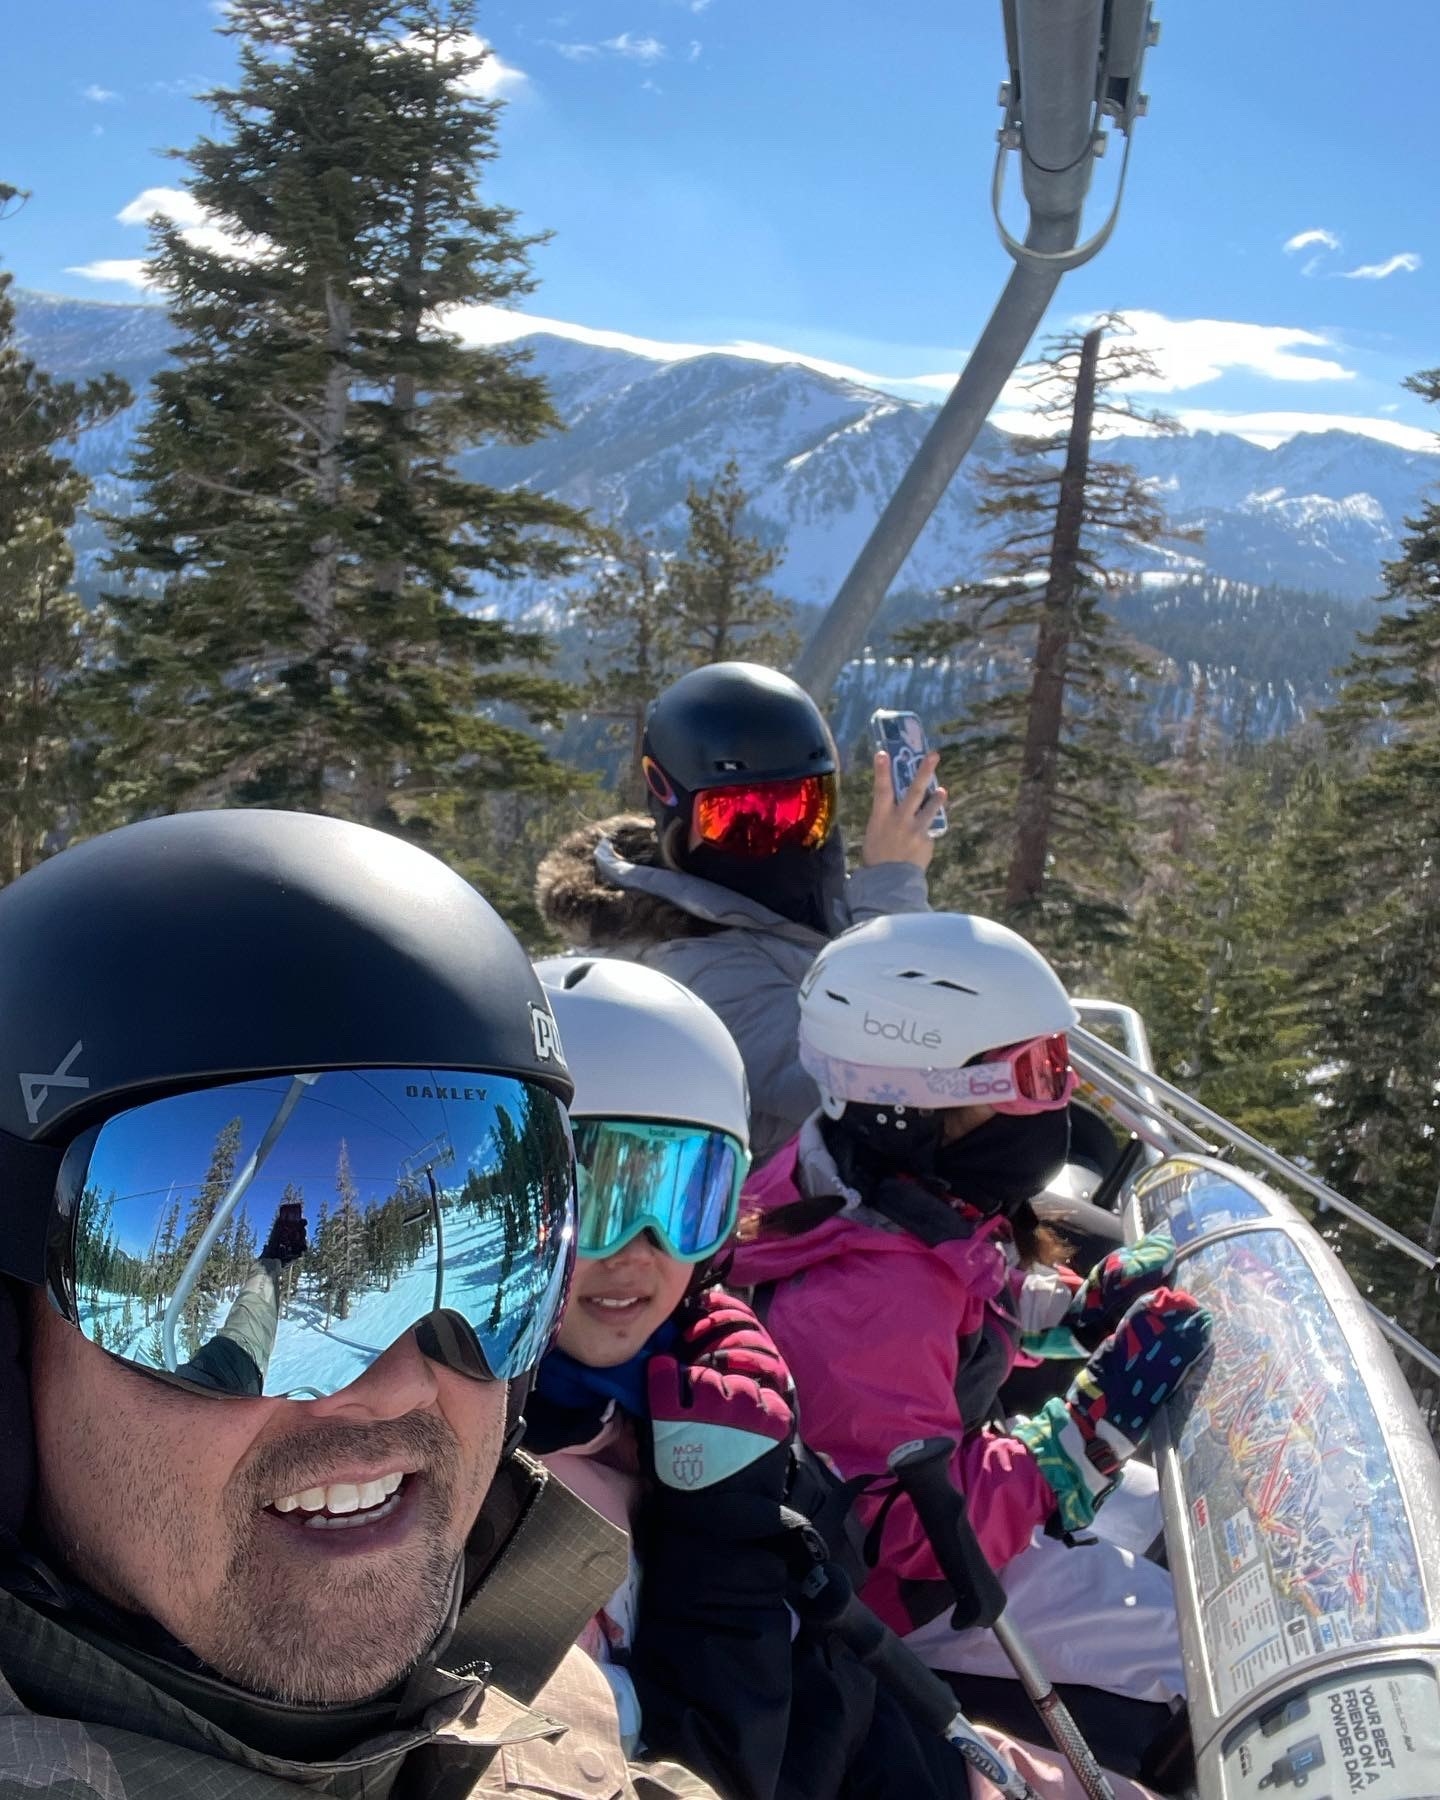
{"x": 759, "y": 818}
{"x": 275, "y": 1237}
{"x": 680, "y": 1182}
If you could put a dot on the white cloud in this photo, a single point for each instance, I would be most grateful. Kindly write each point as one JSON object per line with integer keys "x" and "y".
{"x": 162, "y": 203}
{"x": 180, "y": 209}
{"x": 1192, "y": 352}
{"x": 1307, "y": 240}
{"x": 574, "y": 52}
{"x": 1272, "y": 428}
{"x": 98, "y": 94}
{"x": 640, "y": 49}
{"x": 1407, "y": 261}
{"x": 693, "y": 53}
{"x": 494, "y": 76}
{"x": 128, "y": 269}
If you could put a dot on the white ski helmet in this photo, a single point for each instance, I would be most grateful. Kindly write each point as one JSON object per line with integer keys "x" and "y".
{"x": 661, "y": 1115}
{"x": 640, "y": 1046}
{"x": 892, "y": 1011}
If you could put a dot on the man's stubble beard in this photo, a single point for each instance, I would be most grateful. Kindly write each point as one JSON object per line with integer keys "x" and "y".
{"x": 345, "y": 1630}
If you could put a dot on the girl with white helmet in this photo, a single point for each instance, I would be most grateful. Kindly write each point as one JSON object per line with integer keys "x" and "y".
{"x": 667, "y": 1406}
{"x": 894, "y": 1250}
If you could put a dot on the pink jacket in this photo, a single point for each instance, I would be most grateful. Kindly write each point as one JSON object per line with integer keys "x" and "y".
{"x": 877, "y": 1328}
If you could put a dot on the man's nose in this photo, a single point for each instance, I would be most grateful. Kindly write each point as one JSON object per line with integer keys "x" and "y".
{"x": 399, "y": 1382}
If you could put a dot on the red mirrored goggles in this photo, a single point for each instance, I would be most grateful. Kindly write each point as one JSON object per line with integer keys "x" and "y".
{"x": 758, "y": 818}
{"x": 1025, "y": 1078}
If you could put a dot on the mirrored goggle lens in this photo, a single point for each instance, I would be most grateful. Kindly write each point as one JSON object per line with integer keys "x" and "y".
{"x": 274, "y": 1237}
{"x": 768, "y": 816}
{"x": 1042, "y": 1069}
{"x": 681, "y": 1183}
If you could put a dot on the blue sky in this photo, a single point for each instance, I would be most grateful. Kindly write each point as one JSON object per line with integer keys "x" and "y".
{"x": 813, "y": 176}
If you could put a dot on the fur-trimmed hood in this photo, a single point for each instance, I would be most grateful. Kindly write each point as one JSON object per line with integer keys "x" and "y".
{"x": 606, "y": 888}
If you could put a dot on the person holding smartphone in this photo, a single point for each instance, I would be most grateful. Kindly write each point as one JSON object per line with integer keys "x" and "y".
{"x": 738, "y": 878}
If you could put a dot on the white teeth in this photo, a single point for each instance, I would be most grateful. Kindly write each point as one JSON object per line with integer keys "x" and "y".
{"x": 342, "y": 1497}
{"x": 618, "y": 1305}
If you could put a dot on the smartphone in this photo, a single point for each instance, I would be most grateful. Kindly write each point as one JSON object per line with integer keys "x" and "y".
{"x": 902, "y": 737}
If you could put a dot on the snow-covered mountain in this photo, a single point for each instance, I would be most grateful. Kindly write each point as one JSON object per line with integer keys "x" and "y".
{"x": 821, "y": 455}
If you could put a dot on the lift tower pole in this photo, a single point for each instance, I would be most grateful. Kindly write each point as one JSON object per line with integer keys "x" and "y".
{"x": 1073, "y": 63}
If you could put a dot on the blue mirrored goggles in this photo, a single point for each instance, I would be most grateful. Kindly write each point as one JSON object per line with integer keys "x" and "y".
{"x": 275, "y": 1237}
{"x": 681, "y": 1182}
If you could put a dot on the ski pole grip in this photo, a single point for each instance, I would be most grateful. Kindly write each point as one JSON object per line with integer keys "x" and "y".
{"x": 922, "y": 1469}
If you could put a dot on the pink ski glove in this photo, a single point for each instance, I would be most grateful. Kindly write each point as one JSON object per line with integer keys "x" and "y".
{"x": 720, "y": 1400}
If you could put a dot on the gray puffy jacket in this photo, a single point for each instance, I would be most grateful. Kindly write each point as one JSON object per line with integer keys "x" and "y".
{"x": 602, "y": 890}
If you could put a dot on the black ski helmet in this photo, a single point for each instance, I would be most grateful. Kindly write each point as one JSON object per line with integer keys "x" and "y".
{"x": 217, "y": 946}
{"x": 728, "y": 724}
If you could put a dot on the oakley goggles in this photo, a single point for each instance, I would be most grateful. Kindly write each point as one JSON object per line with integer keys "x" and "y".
{"x": 1032, "y": 1077}
{"x": 274, "y": 1237}
{"x": 681, "y": 1182}
{"x": 758, "y": 818}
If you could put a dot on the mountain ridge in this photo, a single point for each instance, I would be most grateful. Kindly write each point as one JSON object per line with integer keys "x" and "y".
{"x": 820, "y": 455}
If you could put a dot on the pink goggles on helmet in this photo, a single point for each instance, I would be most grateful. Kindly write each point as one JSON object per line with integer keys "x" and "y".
{"x": 1032, "y": 1077}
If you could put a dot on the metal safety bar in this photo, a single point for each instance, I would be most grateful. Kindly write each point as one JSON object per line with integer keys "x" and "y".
{"x": 1111, "y": 1071}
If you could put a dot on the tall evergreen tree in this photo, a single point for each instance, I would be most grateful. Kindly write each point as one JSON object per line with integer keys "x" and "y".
{"x": 297, "y": 625}
{"x": 632, "y": 644}
{"x": 1212, "y": 961}
{"x": 1045, "y": 774}
{"x": 721, "y": 605}
{"x": 195, "y": 1313}
{"x": 1368, "y": 872}
{"x": 46, "y": 633}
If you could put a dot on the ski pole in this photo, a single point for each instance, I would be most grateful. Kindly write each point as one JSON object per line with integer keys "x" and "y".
{"x": 827, "y": 1600}
{"x": 922, "y": 1469}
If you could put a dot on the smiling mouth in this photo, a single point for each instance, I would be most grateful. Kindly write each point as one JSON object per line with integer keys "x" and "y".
{"x": 617, "y": 1306}
{"x": 344, "y": 1505}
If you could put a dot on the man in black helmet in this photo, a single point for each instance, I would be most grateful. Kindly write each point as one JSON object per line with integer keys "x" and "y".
{"x": 738, "y": 878}
{"x": 285, "y": 1225}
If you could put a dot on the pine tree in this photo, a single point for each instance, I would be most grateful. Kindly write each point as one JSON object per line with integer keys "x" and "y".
{"x": 1045, "y": 775}
{"x": 632, "y": 645}
{"x": 195, "y": 1313}
{"x": 721, "y": 606}
{"x": 347, "y": 1244}
{"x": 1368, "y": 873}
{"x": 46, "y": 633}
{"x": 1212, "y": 962}
{"x": 297, "y": 625}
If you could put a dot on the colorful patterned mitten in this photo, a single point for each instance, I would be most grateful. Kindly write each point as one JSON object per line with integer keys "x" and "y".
{"x": 1082, "y": 1441}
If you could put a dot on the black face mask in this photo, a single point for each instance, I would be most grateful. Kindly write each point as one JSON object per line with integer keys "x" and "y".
{"x": 805, "y": 886}
{"x": 996, "y": 1168}
{"x": 1006, "y": 1161}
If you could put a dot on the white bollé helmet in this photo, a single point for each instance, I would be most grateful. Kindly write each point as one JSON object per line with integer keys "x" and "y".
{"x": 661, "y": 1110}
{"x": 640, "y": 1046}
{"x": 905, "y": 1011}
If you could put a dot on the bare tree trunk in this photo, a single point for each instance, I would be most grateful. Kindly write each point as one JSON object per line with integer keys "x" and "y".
{"x": 1045, "y": 715}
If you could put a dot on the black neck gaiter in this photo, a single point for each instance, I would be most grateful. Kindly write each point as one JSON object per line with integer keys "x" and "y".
{"x": 1005, "y": 1161}
{"x": 804, "y": 886}
{"x": 995, "y": 1168}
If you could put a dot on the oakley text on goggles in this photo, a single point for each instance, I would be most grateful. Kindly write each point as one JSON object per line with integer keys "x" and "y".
{"x": 276, "y": 1236}
{"x": 1031, "y": 1077}
{"x": 681, "y": 1182}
